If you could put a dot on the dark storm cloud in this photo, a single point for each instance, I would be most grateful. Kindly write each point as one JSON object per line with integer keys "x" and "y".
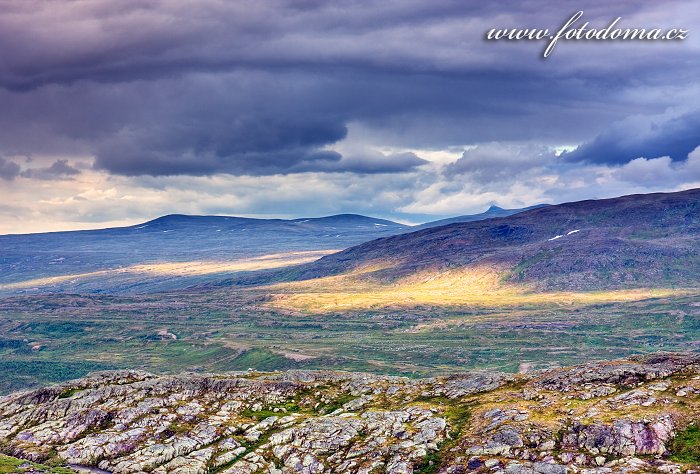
{"x": 113, "y": 42}
{"x": 116, "y": 41}
{"x": 267, "y": 87}
{"x": 643, "y": 137}
{"x": 182, "y": 139}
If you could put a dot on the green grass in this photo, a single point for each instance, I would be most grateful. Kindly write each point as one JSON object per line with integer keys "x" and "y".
{"x": 518, "y": 273}
{"x": 457, "y": 413}
{"x": 260, "y": 359}
{"x": 226, "y": 330}
{"x": 429, "y": 465}
{"x": 260, "y": 415}
{"x": 10, "y": 465}
{"x": 179, "y": 428}
{"x": 685, "y": 447}
{"x": 20, "y": 372}
{"x": 68, "y": 393}
{"x": 338, "y": 402}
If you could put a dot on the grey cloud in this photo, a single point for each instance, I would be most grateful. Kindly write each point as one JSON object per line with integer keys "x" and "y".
{"x": 8, "y": 169}
{"x": 261, "y": 123}
{"x": 497, "y": 161}
{"x": 209, "y": 130}
{"x": 59, "y": 169}
{"x": 367, "y": 163}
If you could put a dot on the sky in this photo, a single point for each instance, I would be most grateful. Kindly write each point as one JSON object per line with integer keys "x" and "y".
{"x": 113, "y": 113}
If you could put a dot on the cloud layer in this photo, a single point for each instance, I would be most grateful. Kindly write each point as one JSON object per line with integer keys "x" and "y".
{"x": 132, "y": 95}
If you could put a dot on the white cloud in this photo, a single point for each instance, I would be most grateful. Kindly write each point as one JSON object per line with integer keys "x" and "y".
{"x": 93, "y": 199}
{"x": 661, "y": 171}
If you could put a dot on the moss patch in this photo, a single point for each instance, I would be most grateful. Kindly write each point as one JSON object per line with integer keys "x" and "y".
{"x": 10, "y": 465}
{"x": 457, "y": 413}
{"x": 685, "y": 447}
{"x": 338, "y": 403}
{"x": 262, "y": 414}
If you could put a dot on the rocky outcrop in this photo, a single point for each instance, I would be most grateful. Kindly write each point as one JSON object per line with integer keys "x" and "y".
{"x": 621, "y": 438}
{"x": 595, "y": 379}
{"x": 603, "y": 417}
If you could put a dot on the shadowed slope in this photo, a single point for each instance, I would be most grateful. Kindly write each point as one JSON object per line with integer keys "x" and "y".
{"x": 637, "y": 241}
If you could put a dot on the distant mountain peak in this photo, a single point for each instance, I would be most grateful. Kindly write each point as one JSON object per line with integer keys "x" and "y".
{"x": 492, "y": 212}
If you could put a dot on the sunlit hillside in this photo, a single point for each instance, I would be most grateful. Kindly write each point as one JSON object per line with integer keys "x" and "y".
{"x": 183, "y": 271}
{"x": 477, "y": 286}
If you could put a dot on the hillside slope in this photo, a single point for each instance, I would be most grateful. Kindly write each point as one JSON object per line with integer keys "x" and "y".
{"x": 128, "y": 259}
{"x": 650, "y": 240}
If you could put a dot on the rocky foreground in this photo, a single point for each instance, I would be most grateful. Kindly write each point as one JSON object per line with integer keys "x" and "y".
{"x": 637, "y": 415}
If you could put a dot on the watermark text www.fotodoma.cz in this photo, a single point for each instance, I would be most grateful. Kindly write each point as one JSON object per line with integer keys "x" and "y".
{"x": 573, "y": 30}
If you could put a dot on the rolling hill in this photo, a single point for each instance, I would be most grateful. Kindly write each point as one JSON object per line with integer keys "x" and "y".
{"x": 173, "y": 251}
{"x": 176, "y": 251}
{"x": 640, "y": 241}
{"x": 637, "y": 241}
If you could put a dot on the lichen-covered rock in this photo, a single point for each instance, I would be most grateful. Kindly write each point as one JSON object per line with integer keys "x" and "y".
{"x": 604, "y": 417}
{"x": 460, "y": 385}
{"x": 622, "y": 438}
{"x": 600, "y": 378}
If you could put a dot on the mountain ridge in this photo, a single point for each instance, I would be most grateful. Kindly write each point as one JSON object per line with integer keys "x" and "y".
{"x": 492, "y": 212}
{"x": 634, "y": 240}
{"x": 77, "y": 261}
{"x": 214, "y": 219}
{"x": 178, "y": 218}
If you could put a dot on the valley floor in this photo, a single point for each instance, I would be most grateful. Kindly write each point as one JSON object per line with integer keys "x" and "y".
{"x": 58, "y": 337}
